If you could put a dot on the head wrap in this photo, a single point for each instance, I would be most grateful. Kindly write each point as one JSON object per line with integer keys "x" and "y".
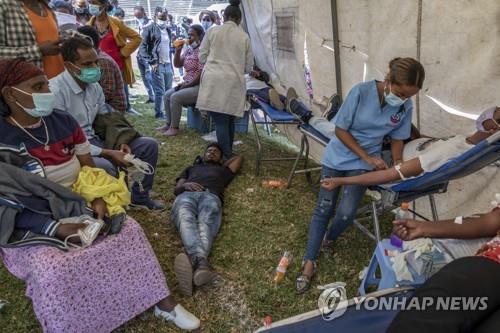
{"x": 13, "y": 72}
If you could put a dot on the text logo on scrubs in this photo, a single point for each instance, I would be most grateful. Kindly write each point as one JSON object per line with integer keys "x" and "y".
{"x": 332, "y": 303}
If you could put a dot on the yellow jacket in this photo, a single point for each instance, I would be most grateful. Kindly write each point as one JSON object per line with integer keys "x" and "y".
{"x": 93, "y": 183}
{"x": 127, "y": 39}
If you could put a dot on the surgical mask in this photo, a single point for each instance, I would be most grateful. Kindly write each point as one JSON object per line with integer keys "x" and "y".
{"x": 162, "y": 24}
{"x": 44, "y": 103}
{"x": 141, "y": 20}
{"x": 206, "y": 24}
{"x": 392, "y": 99}
{"x": 89, "y": 74}
{"x": 95, "y": 10}
{"x": 488, "y": 114}
{"x": 112, "y": 12}
{"x": 194, "y": 45}
{"x": 81, "y": 11}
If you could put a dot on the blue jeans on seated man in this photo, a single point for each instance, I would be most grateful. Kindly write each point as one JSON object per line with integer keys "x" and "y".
{"x": 145, "y": 70}
{"x": 162, "y": 81}
{"x": 224, "y": 130}
{"x": 197, "y": 216}
{"x": 325, "y": 210}
{"x": 143, "y": 148}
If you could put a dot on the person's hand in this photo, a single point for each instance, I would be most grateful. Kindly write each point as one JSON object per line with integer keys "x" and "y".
{"x": 125, "y": 148}
{"x": 330, "y": 183}
{"x": 50, "y": 48}
{"x": 154, "y": 68}
{"x": 376, "y": 162}
{"x": 117, "y": 156}
{"x": 99, "y": 207}
{"x": 408, "y": 229}
{"x": 179, "y": 87}
{"x": 193, "y": 187}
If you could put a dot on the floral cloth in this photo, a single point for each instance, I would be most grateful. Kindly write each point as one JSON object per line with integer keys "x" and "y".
{"x": 92, "y": 290}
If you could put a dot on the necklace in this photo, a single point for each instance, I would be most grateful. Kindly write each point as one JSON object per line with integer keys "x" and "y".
{"x": 45, "y": 144}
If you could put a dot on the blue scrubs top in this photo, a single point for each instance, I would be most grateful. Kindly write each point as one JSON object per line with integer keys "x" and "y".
{"x": 368, "y": 122}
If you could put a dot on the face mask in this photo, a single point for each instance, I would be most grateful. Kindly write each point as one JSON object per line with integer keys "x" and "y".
{"x": 44, "y": 104}
{"x": 194, "y": 45}
{"x": 392, "y": 99}
{"x": 95, "y": 10}
{"x": 162, "y": 24}
{"x": 80, "y": 11}
{"x": 488, "y": 114}
{"x": 140, "y": 20}
{"x": 112, "y": 12}
{"x": 89, "y": 74}
{"x": 206, "y": 24}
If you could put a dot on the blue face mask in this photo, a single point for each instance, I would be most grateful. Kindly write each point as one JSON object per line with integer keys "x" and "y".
{"x": 194, "y": 45}
{"x": 89, "y": 74}
{"x": 206, "y": 25}
{"x": 44, "y": 104}
{"x": 392, "y": 99}
{"x": 95, "y": 10}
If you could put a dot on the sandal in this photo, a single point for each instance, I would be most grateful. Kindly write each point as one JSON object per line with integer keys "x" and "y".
{"x": 303, "y": 282}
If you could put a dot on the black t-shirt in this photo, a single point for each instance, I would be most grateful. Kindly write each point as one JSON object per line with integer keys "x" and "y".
{"x": 213, "y": 177}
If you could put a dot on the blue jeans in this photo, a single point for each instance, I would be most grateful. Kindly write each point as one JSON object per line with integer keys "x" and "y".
{"x": 197, "y": 216}
{"x": 325, "y": 209}
{"x": 143, "y": 148}
{"x": 224, "y": 130}
{"x": 162, "y": 81}
{"x": 145, "y": 70}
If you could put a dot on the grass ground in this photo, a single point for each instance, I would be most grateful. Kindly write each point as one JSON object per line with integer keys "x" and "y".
{"x": 259, "y": 224}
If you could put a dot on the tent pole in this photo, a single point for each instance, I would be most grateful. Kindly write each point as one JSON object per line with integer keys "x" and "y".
{"x": 419, "y": 45}
{"x": 336, "y": 47}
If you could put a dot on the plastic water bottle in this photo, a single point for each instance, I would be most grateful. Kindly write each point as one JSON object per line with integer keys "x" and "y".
{"x": 282, "y": 266}
{"x": 403, "y": 213}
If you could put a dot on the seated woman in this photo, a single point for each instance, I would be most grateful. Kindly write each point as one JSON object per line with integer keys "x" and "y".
{"x": 424, "y": 154}
{"x": 55, "y": 138}
{"x": 185, "y": 93}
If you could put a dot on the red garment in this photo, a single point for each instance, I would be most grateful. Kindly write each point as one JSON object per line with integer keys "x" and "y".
{"x": 108, "y": 45}
{"x": 491, "y": 250}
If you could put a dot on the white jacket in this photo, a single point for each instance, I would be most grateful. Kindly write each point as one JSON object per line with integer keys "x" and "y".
{"x": 227, "y": 55}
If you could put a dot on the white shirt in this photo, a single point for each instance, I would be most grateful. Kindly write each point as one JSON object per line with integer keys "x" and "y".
{"x": 83, "y": 105}
{"x": 254, "y": 84}
{"x": 164, "y": 47}
{"x": 433, "y": 153}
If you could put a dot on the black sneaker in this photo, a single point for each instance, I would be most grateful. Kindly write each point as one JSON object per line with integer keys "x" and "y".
{"x": 149, "y": 204}
{"x": 334, "y": 104}
{"x": 203, "y": 272}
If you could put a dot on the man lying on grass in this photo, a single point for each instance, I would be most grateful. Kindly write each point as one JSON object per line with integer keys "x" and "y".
{"x": 197, "y": 214}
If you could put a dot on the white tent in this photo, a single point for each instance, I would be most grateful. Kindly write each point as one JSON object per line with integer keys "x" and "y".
{"x": 457, "y": 41}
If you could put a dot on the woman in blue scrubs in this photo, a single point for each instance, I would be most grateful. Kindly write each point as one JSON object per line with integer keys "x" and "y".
{"x": 371, "y": 111}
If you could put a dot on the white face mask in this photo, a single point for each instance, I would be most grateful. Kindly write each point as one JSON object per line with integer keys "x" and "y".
{"x": 161, "y": 23}
{"x": 44, "y": 103}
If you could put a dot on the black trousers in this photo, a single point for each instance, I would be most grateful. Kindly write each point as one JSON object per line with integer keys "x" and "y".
{"x": 465, "y": 277}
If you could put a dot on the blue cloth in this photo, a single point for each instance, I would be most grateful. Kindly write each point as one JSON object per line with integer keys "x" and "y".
{"x": 197, "y": 216}
{"x": 83, "y": 105}
{"x": 368, "y": 122}
{"x": 326, "y": 208}
{"x": 162, "y": 81}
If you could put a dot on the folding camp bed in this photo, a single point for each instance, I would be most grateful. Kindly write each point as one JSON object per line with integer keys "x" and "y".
{"x": 308, "y": 132}
{"x": 355, "y": 319}
{"x": 271, "y": 117}
{"x": 487, "y": 152}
